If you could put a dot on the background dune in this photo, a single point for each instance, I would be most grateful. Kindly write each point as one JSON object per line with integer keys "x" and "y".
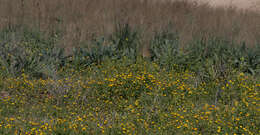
{"x": 252, "y": 5}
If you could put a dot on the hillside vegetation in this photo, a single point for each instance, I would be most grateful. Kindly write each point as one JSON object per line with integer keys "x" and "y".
{"x": 127, "y": 67}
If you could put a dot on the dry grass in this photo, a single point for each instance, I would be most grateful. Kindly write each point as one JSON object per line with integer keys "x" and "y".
{"x": 81, "y": 19}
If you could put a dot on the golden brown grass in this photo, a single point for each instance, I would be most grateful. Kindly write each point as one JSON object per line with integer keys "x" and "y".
{"x": 81, "y": 19}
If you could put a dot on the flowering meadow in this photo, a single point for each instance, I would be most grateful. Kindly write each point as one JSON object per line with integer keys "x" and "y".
{"x": 116, "y": 97}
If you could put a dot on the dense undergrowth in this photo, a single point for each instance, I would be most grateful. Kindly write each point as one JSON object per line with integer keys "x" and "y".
{"x": 106, "y": 87}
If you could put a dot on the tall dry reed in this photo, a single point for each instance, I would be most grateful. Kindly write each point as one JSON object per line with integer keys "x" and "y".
{"x": 82, "y": 19}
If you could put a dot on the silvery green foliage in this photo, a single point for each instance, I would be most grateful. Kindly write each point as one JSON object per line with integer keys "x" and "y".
{"x": 212, "y": 58}
{"x": 31, "y": 54}
{"x": 95, "y": 52}
{"x": 126, "y": 41}
{"x": 123, "y": 43}
{"x": 166, "y": 50}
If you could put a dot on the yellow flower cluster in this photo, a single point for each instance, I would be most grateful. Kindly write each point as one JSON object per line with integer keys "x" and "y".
{"x": 138, "y": 99}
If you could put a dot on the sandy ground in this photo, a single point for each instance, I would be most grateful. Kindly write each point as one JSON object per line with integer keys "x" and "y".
{"x": 253, "y": 5}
